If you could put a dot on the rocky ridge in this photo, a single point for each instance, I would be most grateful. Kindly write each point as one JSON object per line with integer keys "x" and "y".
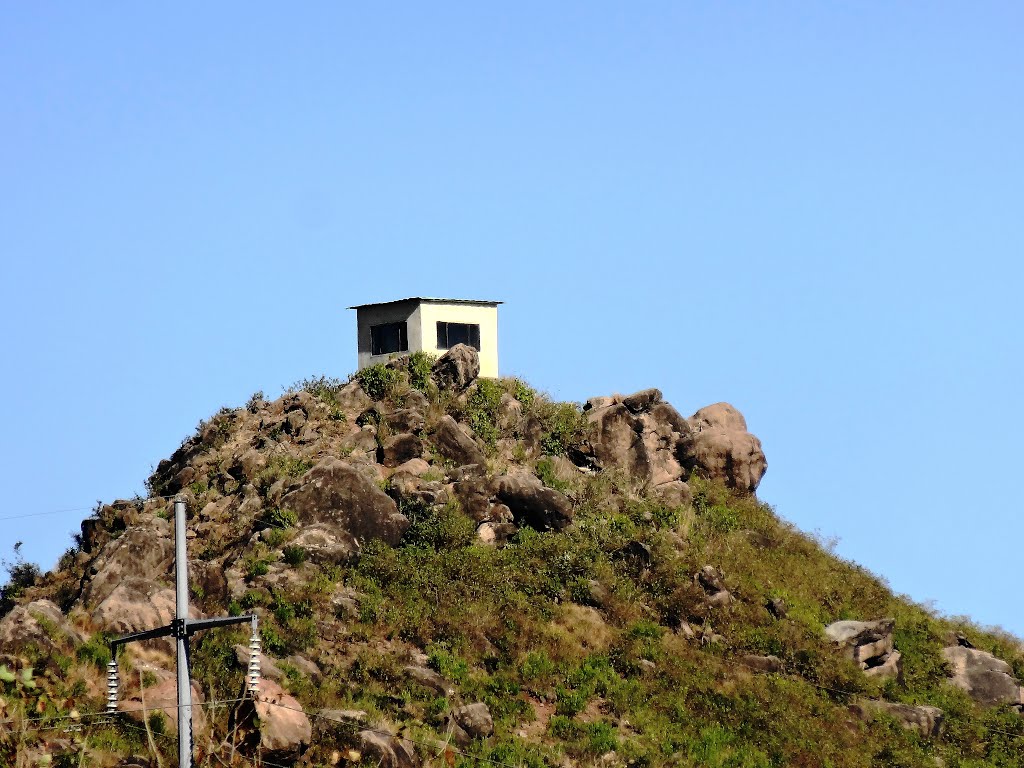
{"x": 283, "y": 492}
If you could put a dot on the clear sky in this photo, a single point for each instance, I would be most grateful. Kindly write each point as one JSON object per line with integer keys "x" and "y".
{"x": 810, "y": 210}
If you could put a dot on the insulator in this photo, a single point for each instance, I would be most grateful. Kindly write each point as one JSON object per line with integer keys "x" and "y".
{"x": 253, "y": 680}
{"x": 112, "y": 686}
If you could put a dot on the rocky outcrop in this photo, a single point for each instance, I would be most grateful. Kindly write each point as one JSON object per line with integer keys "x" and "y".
{"x": 386, "y": 751}
{"x": 457, "y": 368}
{"x": 986, "y": 679}
{"x": 454, "y": 444}
{"x": 134, "y": 605}
{"x": 274, "y": 723}
{"x": 142, "y": 552}
{"x": 648, "y": 438}
{"x": 163, "y": 698}
{"x": 502, "y": 503}
{"x": 39, "y": 623}
{"x": 712, "y": 581}
{"x": 926, "y": 721}
{"x": 346, "y": 504}
{"x": 869, "y": 644}
{"x": 719, "y": 446}
{"x": 472, "y": 721}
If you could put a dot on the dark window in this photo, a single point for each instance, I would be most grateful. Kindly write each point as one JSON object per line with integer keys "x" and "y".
{"x": 450, "y": 334}
{"x": 388, "y": 338}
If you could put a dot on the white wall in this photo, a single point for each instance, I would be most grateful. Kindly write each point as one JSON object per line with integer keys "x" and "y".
{"x": 484, "y": 316}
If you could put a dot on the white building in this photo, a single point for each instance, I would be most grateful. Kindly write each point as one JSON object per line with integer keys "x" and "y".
{"x": 431, "y": 325}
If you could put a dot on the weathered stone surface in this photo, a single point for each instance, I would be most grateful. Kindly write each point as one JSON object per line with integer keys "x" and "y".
{"x": 405, "y": 420}
{"x": 455, "y": 445}
{"x": 324, "y": 544}
{"x": 532, "y": 503}
{"x": 429, "y": 679}
{"x": 284, "y": 728}
{"x": 868, "y": 643}
{"x": 510, "y": 412}
{"x": 615, "y": 442}
{"x": 38, "y": 623}
{"x": 163, "y": 698}
{"x": 400, "y": 448}
{"x": 891, "y": 666}
{"x": 719, "y": 446}
{"x": 415, "y": 467}
{"x": 386, "y": 751}
{"x": 347, "y": 503}
{"x": 141, "y": 552}
{"x": 927, "y": 721}
{"x": 986, "y": 679}
{"x": 495, "y": 533}
{"x": 457, "y": 368}
{"x": 762, "y": 664}
{"x": 472, "y": 721}
{"x": 406, "y": 489}
{"x": 642, "y": 401}
{"x": 134, "y": 605}
{"x": 674, "y": 494}
{"x": 351, "y": 398}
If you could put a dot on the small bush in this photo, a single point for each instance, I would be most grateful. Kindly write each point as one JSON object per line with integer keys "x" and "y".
{"x": 294, "y": 555}
{"x": 379, "y": 381}
{"x": 278, "y": 518}
{"x": 420, "y": 365}
{"x": 482, "y": 410}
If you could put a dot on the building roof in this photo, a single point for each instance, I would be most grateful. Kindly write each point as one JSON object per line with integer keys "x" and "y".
{"x": 431, "y": 300}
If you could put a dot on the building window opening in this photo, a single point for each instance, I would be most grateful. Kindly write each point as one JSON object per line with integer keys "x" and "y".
{"x": 450, "y": 334}
{"x": 388, "y": 338}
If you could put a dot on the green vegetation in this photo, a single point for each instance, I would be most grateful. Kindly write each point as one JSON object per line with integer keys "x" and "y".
{"x": 420, "y": 365}
{"x": 379, "y": 381}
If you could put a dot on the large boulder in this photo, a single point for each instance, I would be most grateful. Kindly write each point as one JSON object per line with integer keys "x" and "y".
{"x": 986, "y": 679}
{"x": 386, "y": 751}
{"x": 141, "y": 552}
{"x": 718, "y": 445}
{"x": 274, "y": 723}
{"x": 163, "y": 698}
{"x": 472, "y": 721}
{"x": 346, "y": 503}
{"x": 926, "y": 721}
{"x": 869, "y": 644}
{"x": 400, "y": 448}
{"x": 134, "y": 605}
{"x": 532, "y": 503}
{"x": 457, "y": 368}
{"x": 38, "y": 623}
{"x": 454, "y": 444}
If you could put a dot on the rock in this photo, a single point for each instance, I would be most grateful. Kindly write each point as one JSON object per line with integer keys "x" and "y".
{"x": 674, "y": 494}
{"x": 868, "y": 643}
{"x": 777, "y": 607}
{"x": 416, "y": 401}
{"x": 305, "y": 667}
{"x": 362, "y": 443}
{"x": 284, "y": 730}
{"x": 601, "y": 402}
{"x": 891, "y": 666}
{"x": 416, "y": 467}
{"x": 532, "y": 503}
{"x": 685, "y": 631}
{"x": 986, "y": 679}
{"x": 614, "y": 441}
{"x": 642, "y": 401}
{"x": 429, "y": 679}
{"x": 762, "y": 664}
{"x": 351, "y": 398}
{"x": 38, "y": 623}
{"x": 268, "y": 667}
{"x": 455, "y": 445}
{"x": 636, "y": 552}
{"x": 163, "y": 697}
{"x": 346, "y": 600}
{"x": 142, "y": 552}
{"x": 407, "y": 489}
{"x": 710, "y": 579}
{"x": 457, "y": 368}
{"x": 347, "y": 503}
{"x": 509, "y": 413}
{"x": 324, "y": 545}
{"x": 927, "y": 721}
{"x": 386, "y": 751}
{"x": 495, "y": 533}
{"x": 134, "y": 605}
{"x": 400, "y": 448}
{"x": 405, "y": 420}
{"x": 719, "y": 447}
{"x": 472, "y": 721}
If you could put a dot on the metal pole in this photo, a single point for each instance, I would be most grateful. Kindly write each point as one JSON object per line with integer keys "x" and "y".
{"x": 184, "y": 679}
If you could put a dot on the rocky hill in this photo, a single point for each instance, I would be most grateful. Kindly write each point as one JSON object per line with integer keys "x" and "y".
{"x": 458, "y": 571}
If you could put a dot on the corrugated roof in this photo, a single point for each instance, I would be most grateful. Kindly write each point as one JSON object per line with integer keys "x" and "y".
{"x": 432, "y": 300}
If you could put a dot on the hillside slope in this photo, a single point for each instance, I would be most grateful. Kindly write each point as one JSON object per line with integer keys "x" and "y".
{"x": 457, "y": 571}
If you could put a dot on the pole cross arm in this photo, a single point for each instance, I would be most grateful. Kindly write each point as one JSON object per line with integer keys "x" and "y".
{"x": 198, "y": 625}
{"x": 146, "y": 634}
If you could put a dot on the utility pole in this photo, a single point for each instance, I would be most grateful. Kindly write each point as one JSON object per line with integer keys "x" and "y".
{"x": 182, "y": 628}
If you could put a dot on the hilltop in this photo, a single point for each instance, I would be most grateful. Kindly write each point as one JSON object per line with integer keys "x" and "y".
{"x": 452, "y": 570}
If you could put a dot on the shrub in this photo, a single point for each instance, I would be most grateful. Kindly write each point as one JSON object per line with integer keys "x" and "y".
{"x": 420, "y": 365}
{"x": 563, "y": 427}
{"x": 482, "y": 410}
{"x": 379, "y": 381}
{"x": 294, "y": 555}
{"x": 278, "y": 518}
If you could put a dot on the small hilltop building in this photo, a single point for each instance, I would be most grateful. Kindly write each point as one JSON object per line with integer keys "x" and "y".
{"x": 432, "y": 325}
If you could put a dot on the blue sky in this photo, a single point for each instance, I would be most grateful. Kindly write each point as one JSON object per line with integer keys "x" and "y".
{"x": 812, "y": 211}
